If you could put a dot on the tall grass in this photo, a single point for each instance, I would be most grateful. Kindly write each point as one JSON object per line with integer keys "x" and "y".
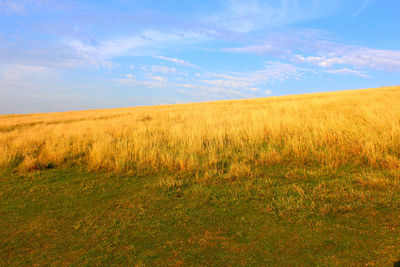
{"x": 230, "y": 139}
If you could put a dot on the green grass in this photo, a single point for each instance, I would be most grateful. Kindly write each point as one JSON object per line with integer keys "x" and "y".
{"x": 283, "y": 216}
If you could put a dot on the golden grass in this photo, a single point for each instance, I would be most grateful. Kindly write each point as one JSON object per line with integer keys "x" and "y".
{"x": 230, "y": 139}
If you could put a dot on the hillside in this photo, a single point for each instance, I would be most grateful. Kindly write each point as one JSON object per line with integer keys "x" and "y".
{"x": 292, "y": 180}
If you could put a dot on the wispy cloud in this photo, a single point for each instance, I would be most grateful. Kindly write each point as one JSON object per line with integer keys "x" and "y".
{"x": 19, "y": 7}
{"x": 177, "y": 61}
{"x": 143, "y": 43}
{"x": 264, "y": 49}
{"x": 159, "y": 68}
{"x": 29, "y": 7}
{"x": 38, "y": 53}
{"x": 251, "y": 15}
{"x": 217, "y": 85}
{"x": 140, "y": 84}
{"x": 346, "y": 71}
{"x": 16, "y": 78}
{"x": 273, "y": 71}
{"x": 10, "y": 6}
{"x": 157, "y": 78}
{"x": 361, "y": 8}
{"x": 355, "y": 56}
{"x": 323, "y": 53}
{"x": 21, "y": 74}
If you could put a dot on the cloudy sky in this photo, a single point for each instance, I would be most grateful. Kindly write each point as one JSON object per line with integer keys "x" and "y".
{"x": 73, "y": 55}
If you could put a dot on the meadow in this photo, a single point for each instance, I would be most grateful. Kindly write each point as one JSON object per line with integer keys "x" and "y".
{"x": 291, "y": 180}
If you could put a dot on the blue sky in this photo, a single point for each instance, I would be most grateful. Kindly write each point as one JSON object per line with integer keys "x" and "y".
{"x": 73, "y": 55}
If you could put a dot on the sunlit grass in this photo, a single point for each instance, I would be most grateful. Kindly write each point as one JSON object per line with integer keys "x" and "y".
{"x": 233, "y": 138}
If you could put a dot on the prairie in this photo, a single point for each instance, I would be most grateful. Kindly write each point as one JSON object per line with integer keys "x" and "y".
{"x": 226, "y": 138}
{"x": 301, "y": 179}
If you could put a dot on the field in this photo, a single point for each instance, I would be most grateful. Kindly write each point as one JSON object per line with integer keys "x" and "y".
{"x": 294, "y": 180}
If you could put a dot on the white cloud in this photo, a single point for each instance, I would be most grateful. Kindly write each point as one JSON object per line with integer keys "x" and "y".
{"x": 244, "y": 16}
{"x": 269, "y": 49}
{"x": 159, "y": 68}
{"x": 10, "y": 6}
{"x": 273, "y": 70}
{"x": 138, "y": 83}
{"x": 24, "y": 75}
{"x": 247, "y": 84}
{"x": 346, "y": 71}
{"x": 268, "y": 92}
{"x": 26, "y": 7}
{"x": 228, "y": 83}
{"x": 325, "y": 54}
{"x": 220, "y": 85}
{"x": 132, "y": 45}
{"x": 158, "y": 78}
{"x": 355, "y": 56}
{"x": 361, "y": 8}
{"x": 177, "y": 61}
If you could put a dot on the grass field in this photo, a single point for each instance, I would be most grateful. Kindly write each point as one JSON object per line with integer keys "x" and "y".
{"x": 296, "y": 180}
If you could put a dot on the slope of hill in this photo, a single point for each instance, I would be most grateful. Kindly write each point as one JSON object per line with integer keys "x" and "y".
{"x": 303, "y": 179}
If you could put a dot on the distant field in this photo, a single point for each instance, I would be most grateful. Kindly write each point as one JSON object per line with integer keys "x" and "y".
{"x": 293, "y": 180}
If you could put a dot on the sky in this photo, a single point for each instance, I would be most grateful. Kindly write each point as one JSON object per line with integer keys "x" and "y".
{"x": 77, "y": 55}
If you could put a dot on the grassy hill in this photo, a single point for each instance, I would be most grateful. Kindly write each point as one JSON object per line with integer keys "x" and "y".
{"x": 293, "y": 180}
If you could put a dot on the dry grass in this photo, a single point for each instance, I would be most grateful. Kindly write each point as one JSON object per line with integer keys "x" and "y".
{"x": 230, "y": 139}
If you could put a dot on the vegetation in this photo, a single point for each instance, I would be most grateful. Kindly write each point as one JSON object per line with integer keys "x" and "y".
{"x": 294, "y": 180}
